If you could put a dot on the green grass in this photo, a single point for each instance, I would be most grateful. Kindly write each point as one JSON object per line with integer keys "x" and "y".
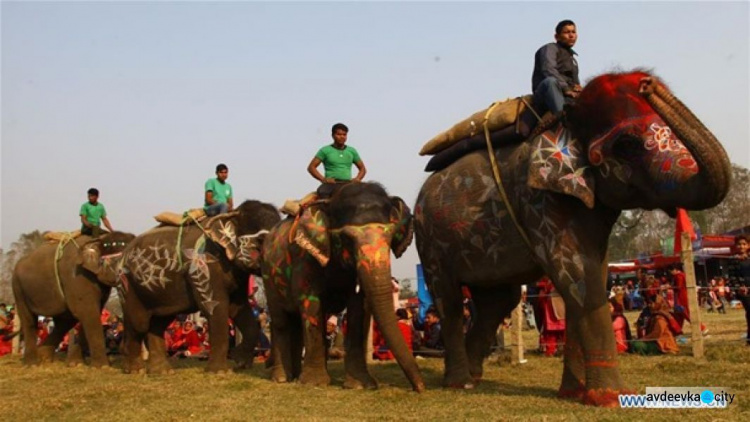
{"x": 515, "y": 392}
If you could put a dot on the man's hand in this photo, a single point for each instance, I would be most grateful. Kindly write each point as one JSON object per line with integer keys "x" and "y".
{"x": 329, "y": 180}
{"x": 571, "y": 93}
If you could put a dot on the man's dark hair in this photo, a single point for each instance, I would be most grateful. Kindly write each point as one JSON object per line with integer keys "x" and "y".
{"x": 563, "y": 24}
{"x": 221, "y": 167}
{"x": 741, "y": 237}
{"x": 433, "y": 312}
{"x": 93, "y": 191}
{"x": 339, "y": 126}
{"x": 402, "y": 314}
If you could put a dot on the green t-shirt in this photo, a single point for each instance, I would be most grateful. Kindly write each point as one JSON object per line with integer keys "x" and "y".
{"x": 93, "y": 213}
{"x": 338, "y": 162}
{"x": 221, "y": 191}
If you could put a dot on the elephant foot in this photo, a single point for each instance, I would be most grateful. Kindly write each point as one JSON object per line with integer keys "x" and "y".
{"x": 134, "y": 371}
{"x": 133, "y": 367}
{"x": 100, "y": 363}
{"x": 45, "y": 354}
{"x": 160, "y": 368}
{"x": 217, "y": 367}
{"x": 278, "y": 374}
{"x": 362, "y": 383}
{"x": 573, "y": 393}
{"x": 31, "y": 360}
{"x": 316, "y": 379}
{"x": 463, "y": 382}
{"x": 604, "y": 397}
{"x": 74, "y": 364}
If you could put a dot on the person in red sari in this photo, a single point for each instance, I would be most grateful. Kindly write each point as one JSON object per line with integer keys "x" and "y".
{"x": 681, "y": 305}
{"x": 620, "y": 326}
{"x": 192, "y": 340}
{"x": 552, "y": 336}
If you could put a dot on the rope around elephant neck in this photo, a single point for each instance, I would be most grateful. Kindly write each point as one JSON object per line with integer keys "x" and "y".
{"x": 178, "y": 250}
{"x": 498, "y": 179}
{"x": 67, "y": 238}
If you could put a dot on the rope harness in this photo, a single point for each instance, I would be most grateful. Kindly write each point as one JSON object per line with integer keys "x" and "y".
{"x": 185, "y": 218}
{"x": 67, "y": 238}
{"x": 498, "y": 178}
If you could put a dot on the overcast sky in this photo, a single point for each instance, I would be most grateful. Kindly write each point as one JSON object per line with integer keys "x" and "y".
{"x": 142, "y": 100}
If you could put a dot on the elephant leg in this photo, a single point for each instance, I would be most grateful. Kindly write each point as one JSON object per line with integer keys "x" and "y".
{"x": 76, "y": 345}
{"x": 88, "y": 313}
{"x": 314, "y": 371}
{"x": 48, "y": 346}
{"x": 136, "y": 321}
{"x": 297, "y": 344}
{"x": 281, "y": 350}
{"x": 157, "y": 346}
{"x": 590, "y": 326}
{"x": 492, "y": 305}
{"x": 449, "y": 301}
{"x": 244, "y": 353}
{"x": 218, "y": 333}
{"x": 358, "y": 320}
{"x": 29, "y": 328}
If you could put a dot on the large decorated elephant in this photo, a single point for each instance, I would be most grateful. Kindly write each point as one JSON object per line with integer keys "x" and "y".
{"x": 336, "y": 255}
{"x": 626, "y": 143}
{"x": 69, "y": 281}
{"x": 172, "y": 270}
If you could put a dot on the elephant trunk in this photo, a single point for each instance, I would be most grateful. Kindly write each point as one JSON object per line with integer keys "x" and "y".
{"x": 712, "y": 159}
{"x": 379, "y": 291}
{"x": 374, "y": 272}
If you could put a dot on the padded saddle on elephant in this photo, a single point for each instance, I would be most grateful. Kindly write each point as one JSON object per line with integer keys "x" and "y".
{"x": 508, "y": 122}
{"x": 168, "y": 218}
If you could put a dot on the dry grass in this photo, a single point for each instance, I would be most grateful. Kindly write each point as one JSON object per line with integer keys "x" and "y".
{"x": 516, "y": 392}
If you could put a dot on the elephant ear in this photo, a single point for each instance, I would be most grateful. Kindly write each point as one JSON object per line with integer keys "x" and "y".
{"x": 311, "y": 234}
{"x": 222, "y": 230}
{"x": 403, "y": 221}
{"x": 558, "y": 163}
{"x": 90, "y": 256}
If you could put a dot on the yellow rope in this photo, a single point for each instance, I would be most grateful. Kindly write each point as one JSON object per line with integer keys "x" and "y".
{"x": 67, "y": 238}
{"x": 498, "y": 179}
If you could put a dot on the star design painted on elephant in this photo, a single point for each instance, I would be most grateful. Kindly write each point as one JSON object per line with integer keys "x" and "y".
{"x": 151, "y": 265}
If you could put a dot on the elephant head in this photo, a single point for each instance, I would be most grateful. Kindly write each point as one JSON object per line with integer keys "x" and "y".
{"x": 102, "y": 255}
{"x": 629, "y": 143}
{"x": 241, "y": 233}
{"x": 358, "y": 228}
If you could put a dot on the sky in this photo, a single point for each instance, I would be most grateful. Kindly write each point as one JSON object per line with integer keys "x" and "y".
{"x": 143, "y": 99}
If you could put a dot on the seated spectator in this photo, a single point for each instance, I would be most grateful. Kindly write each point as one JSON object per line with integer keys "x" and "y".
{"x": 658, "y": 337}
{"x": 620, "y": 326}
{"x": 334, "y": 340}
{"x": 193, "y": 344}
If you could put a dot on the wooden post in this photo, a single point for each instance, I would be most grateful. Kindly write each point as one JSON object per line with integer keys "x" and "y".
{"x": 695, "y": 312}
{"x": 369, "y": 347}
{"x": 16, "y": 343}
{"x": 516, "y": 335}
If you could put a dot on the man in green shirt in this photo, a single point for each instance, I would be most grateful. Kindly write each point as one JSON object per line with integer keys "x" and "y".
{"x": 93, "y": 214}
{"x": 337, "y": 159}
{"x": 218, "y": 193}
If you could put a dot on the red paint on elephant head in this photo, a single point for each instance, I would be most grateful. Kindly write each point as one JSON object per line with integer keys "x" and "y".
{"x": 612, "y": 111}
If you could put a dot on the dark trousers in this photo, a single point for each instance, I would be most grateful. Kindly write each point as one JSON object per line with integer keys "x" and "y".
{"x": 95, "y": 231}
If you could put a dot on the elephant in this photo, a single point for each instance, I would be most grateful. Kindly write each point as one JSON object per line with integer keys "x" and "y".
{"x": 626, "y": 143}
{"x": 336, "y": 254}
{"x": 69, "y": 281}
{"x": 209, "y": 274}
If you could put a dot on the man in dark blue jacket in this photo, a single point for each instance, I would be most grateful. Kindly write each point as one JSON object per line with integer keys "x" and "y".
{"x": 555, "y": 79}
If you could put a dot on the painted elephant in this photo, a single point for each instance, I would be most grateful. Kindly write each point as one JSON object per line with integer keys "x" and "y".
{"x": 332, "y": 256}
{"x": 69, "y": 281}
{"x": 626, "y": 143}
{"x": 209, "y": 274}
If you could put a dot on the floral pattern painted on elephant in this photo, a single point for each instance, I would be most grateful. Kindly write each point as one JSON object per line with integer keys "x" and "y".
{"x": 278, "y": 258}
{"x": 200, "y": 275}
{"x": 151, "y": 265}
{"x": 374, "y": 245}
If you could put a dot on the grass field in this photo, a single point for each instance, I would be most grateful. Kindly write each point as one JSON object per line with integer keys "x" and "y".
{"x": 508, "y": 392}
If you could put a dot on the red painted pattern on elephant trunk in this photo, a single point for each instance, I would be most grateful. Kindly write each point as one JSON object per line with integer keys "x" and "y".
{"x": 373, "y": 258}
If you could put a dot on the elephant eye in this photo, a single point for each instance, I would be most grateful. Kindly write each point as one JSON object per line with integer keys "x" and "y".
{"x": 628, "y": 147}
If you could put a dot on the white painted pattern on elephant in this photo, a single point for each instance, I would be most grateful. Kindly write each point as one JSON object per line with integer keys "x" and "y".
{"x": 226, "y": 231}
{"x": 248, "y": 243}
{"x": 149, "y": 266}
{"x": 200, "y": 274}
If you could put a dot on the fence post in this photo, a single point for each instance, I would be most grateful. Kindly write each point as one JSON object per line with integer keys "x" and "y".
{"x": 16, "y": 343}
{"x": 695, "y": 312}
{"x": 516, "y": 335}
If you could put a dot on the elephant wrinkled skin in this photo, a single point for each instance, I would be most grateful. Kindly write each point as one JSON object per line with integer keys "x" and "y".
{"x": 336, "y": 255}
{"x": 70, "y": 283}
{"x": 627, "y": 143}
